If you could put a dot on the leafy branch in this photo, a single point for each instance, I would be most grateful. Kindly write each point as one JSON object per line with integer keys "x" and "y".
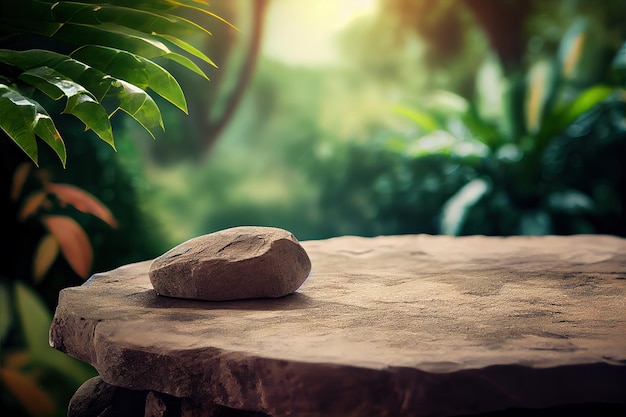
{"x": 110, "y": 65}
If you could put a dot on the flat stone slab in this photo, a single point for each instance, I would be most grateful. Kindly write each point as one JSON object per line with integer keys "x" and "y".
{"x": 410, "y": 325}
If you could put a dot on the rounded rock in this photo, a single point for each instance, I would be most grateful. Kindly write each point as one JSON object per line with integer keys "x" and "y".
{"x": 232, "y": 264}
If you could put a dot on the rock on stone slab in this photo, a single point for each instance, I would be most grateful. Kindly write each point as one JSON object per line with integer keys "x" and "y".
{"x": 237, "y": 263}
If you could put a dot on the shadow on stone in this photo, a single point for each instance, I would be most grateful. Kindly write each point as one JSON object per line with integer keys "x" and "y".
{"x": 295, "y": 301}
{"x": 577, "y": 410}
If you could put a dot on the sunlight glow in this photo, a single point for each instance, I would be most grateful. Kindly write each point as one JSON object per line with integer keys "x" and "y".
{"x": 303, "y": 32}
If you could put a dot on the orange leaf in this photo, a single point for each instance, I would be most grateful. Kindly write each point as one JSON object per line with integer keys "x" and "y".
{"x": 32, "y": 204}
{"x": 73, "y": 241}
{"x": 36, "y": 401}
{"x": 45, "y": 254}
{"x": 83, "y": 201}
{"x": 15, "y": 360}
{"x": 19, "y": 179}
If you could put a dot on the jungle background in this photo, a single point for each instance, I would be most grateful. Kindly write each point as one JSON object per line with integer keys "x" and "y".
{"x": 358, "y": 117}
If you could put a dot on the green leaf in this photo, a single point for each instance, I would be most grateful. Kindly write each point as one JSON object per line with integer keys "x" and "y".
{"x": 27, "y": 119}
{"x": 618, "y": 66}
{"x": 541, "y": 84}
{"x": 47, "y": 131}
{"x": 570, "y": 202}
{"x": 586, "y": 101}
{"x": 120, "y": 37}
{"x": 572, "y": 45}
{"x": 80, "y": 102}
{"x": 564, "y": 115}
{"x": 422, "y": 119}
{"x": 19, "y": 125}
{"x": 490, "y": 87}
{"x": 194, "y": 5}
{"x": 185, "y": 62}
{"x": 135, "y": 69}
{"x": 187, "y": 48}
{"x": 6, "y": 316}
{"x": 28, "y": 16}
{"x": 456, "y": 208}
{"x": 139, "y": 105}
{"x": 133, "y": 26}
{"x": 448, "y": 102}
{"x": 481, "y": 128}
{"x": 123, "y": 95}
{"x": 146, "y": 21}
{"x": 93, "y": 80}
{"x": 157, "y": 6}
{"x": 443, "y": 143}
{"x": 535, "y": 223}
{"x": 619, "y": 61}
{"x": 114, "y": 36}
{"x": 35, "y": 319}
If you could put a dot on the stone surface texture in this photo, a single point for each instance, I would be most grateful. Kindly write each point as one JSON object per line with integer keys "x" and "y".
{"x": 410, "y": 325}
{"x": 237, "y": 263}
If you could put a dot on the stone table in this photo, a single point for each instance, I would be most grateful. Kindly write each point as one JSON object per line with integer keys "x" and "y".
{"x": 412, "y": 325}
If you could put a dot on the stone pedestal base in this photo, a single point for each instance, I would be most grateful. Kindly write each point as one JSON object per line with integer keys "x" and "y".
{"x": 96, "y": 398}
{"x": 402, "y": 326}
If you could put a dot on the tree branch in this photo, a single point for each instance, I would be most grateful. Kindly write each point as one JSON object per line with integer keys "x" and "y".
{"x": 503, "y": 24}
{"x": 213, "y": 128}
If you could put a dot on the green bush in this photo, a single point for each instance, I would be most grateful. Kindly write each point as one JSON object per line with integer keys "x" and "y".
{"x": 545, "y": 159}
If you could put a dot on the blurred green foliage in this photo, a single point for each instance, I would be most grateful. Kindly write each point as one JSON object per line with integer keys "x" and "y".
{"x": 426, "y": 126}
{"x": 37, "y": 379}
{"x": 531, "y": 148}
{"x": 527, "y": 179}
